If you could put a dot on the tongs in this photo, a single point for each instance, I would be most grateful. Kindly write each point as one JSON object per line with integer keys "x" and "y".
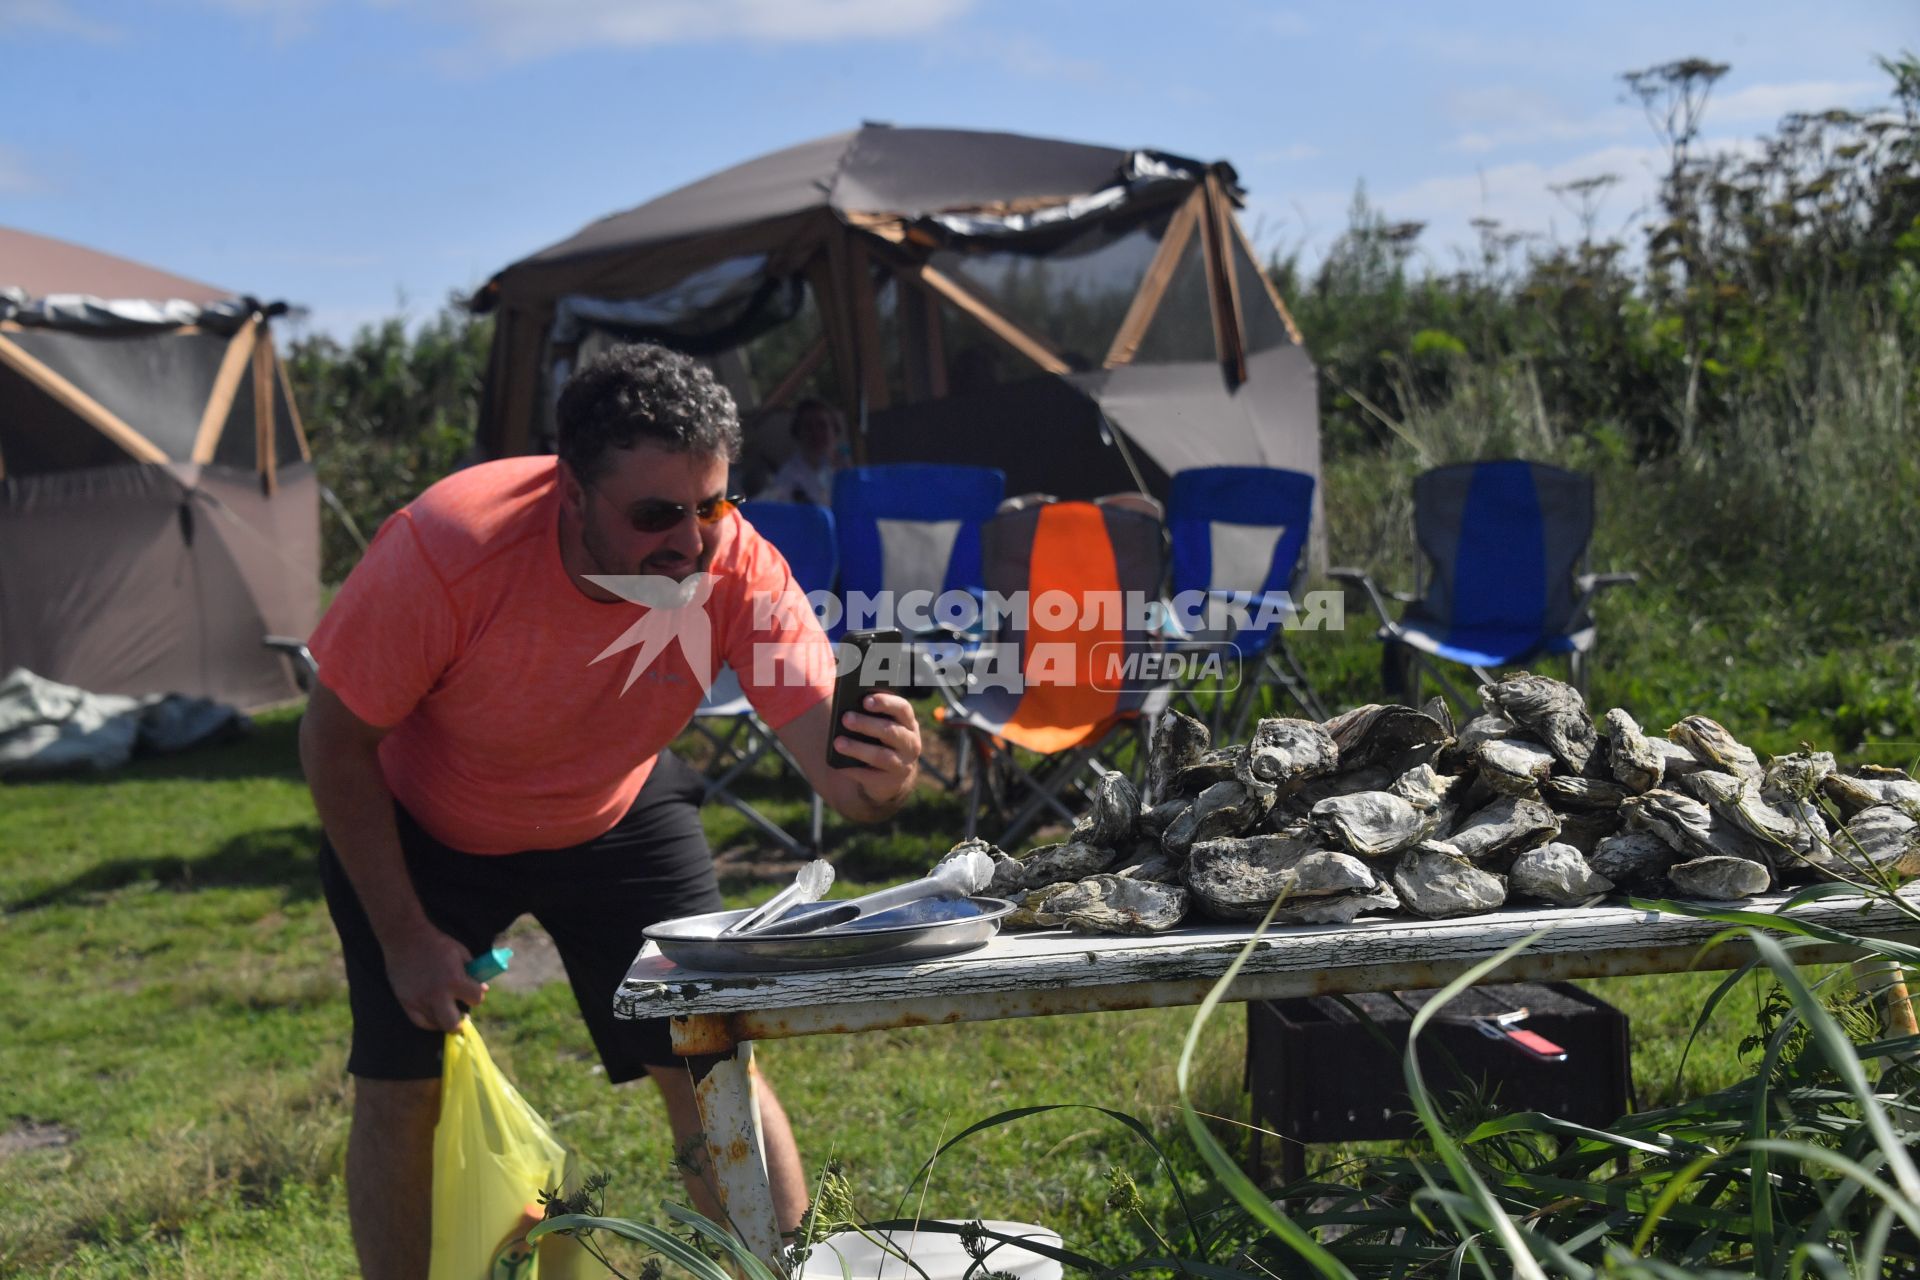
{"x": 959, "y": 875}
{"x": 810, "y": 884}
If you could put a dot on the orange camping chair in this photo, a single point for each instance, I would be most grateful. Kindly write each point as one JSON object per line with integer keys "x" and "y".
{"x": 1074, "y": 673}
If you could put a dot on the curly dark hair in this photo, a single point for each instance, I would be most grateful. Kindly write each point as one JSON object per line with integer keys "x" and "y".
{"x": 643, "y": 392}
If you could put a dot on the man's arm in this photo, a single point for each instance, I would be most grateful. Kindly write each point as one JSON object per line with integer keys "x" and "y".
{"x": 877, "y": 790}
{"x": 340, "y": 753}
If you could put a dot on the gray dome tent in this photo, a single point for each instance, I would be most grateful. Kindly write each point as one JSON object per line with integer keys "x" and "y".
{"x": 158, "y": 510}
{"x": 1086, "y": 318}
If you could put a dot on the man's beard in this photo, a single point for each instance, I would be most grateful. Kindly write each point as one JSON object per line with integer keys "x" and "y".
{"x": 661, "y": 564}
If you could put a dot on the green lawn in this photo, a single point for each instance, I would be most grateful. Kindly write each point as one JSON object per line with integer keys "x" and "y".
{"x": 174, "y": 1024}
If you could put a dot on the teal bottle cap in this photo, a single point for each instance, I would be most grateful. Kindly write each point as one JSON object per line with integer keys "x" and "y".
{"x": 489, "y": 965}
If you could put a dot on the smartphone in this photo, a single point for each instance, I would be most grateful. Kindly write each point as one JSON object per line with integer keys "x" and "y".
{"x": 851, "y": 688}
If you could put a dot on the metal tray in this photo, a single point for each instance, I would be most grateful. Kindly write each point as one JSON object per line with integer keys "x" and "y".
{"x": 691, "y": 941}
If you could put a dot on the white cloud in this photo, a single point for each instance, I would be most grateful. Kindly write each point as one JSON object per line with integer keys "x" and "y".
{"x": 1289, "y": 23}
{"x": 1288, "y": 154}
{"x": 1521, "y": 199}
{"x": 1765, "y": 104}
{"x": 517, "y": 30}
{"x": 17, "y": 178}
{"x": 1500, "y": 117}
{"x": 55, "y": 16}
{"x": 289, "y": 19}
{"x": 1024, "y": 56}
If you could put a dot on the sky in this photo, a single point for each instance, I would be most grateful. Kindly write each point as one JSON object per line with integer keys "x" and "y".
{"x": 367, "y": 158}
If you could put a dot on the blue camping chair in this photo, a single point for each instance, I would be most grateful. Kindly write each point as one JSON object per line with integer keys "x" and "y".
{"x": 912, "y": 527}
{"x": 804, "y": 535}
{"x": 1505, "y": 549}
{"x": 1239, "y": 536}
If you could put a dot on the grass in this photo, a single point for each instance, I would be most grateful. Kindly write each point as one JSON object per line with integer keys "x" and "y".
{"x": 175, "y": 1006}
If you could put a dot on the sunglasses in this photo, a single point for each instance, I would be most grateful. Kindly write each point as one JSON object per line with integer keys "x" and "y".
{"x": 657, "y": 515}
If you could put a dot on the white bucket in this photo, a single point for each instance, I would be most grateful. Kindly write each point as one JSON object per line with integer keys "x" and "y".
{"x": 938, "y": 1253}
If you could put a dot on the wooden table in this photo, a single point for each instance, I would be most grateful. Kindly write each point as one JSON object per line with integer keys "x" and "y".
{"x": 1025, "y": 975}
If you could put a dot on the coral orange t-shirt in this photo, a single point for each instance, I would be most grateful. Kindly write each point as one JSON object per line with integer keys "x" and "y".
{"x": 462, "y": 633}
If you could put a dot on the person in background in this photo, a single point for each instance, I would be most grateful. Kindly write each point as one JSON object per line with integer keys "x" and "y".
{"x": 819, "y": 449}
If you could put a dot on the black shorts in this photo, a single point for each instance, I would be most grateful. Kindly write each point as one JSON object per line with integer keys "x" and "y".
{"x": 594, "y": 899}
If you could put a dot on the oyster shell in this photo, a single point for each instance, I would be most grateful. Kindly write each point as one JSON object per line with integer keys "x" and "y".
{"x": 1372, "y": 824}
{"x": 1320, "y": 875}
{"x": 1284, "y": 752}
{"x": 1508, "y": 825}
{"x": 1885, "y": 836}
{"x": 1555, "y": 873}
{"x": 1427, "y": 789}
{"x": 1583, "y": 795}
{"x": 1434, "y": 880}
{"x": 1630, "y": 757}
{"x": 1223, "y": 809}
{"x": 1631, "y": 858}
{"x": 1238, "y": 879}
{"x": 1340, "y": 909}
{"x": 1513, "y": 766}
{"x": 1488, "y": 726}
{"x": 1584, "y": 829}
{"x": 1384, "y": 735}
{"x": 1178, "y": 742}
{"x": 1155, "y": 820}
{"x": 1158, "y": 868}
{"x": 1299, "y": 802}
{"x": 1691, "y": 827}
{"x": 1547, "y": 710}
{"x": 1031, "y": 913}
{"x": 1852, "y": 794}
{"x": 1113, "y": 904}
{"x": 1057, "y": 863}
{"x": 1785, "y": 838}
{"x": 1218, "y": 765}
{"x": 1676, "y": 762}
{"x": 1720, "y": 879}
{"x": 1116, "y": 811}
{"x": 1714, "y": 747}
{"x": 1797, "y": 776}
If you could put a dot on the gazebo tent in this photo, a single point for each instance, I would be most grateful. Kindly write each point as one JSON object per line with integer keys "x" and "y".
{"x": 158, "y": 509}
{"x": 1088, "y": 319}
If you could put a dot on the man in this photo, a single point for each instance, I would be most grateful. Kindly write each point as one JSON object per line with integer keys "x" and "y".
{"x": 487, "y": 741}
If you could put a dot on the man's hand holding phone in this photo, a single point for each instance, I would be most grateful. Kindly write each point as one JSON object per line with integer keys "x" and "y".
{"x": 874, "y": 729}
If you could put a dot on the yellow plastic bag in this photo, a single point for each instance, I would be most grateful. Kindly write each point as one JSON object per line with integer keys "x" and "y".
{"x": 492, "y": 1156}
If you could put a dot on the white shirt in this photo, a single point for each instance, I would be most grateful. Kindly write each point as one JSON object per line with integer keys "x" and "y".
{"x": 796, "y": 481}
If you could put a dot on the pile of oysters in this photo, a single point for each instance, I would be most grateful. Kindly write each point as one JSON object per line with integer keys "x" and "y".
{"x": 1397, "y": 809}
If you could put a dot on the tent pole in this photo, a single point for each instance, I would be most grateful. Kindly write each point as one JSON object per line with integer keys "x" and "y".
{"x": 1220, "y": 285}
{"x": 866, "y": 327}
{"x": 789, "y": 386}
{"x": 293, "y": 410}
{"x": 1273, "y": 290}
{"x": 1024, "y": 342}
{"x": 936, "y": 351}
{"x": 825, "y": 273}
{"x": 226, "y": 382}
{"x": 1153, "y": 285}
{"x": 79, "y": 403}
{"x": 263, "y": 410}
